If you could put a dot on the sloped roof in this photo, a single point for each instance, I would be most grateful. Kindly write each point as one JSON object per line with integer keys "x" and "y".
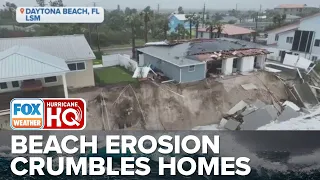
{"x": 173, "y": 54}
{"x": 200, "y": 50}
{"x": 21, "y": 62}
{"x": 69, "y": 47}
{"x": 289, "y": 6}
{"x": 231, "y": 30}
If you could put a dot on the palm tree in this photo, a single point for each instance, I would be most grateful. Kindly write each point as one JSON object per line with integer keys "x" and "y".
{"x": 11, "y": 7}
{"x": 133, "y": 22}
{"x": 196, "y": 21}
{"x": 190, "y": 19}
{"x": 181, "y": 31}
{"x": 279, "y": 19}
{"x": 165, "y": 27}
{"x": 219, "y": 27}
{"x": 146, "y": 16}
{"x": 210, "y": 25}
{"x": 214, "y": 25}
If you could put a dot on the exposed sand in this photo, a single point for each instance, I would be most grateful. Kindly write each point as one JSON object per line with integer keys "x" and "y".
{"x": 200, "y": 103}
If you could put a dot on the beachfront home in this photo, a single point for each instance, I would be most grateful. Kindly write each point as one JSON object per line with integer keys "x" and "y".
{"x": 301, "y": 38}
{"x": 29, "y": 63}
{"x": 197, "y": 59}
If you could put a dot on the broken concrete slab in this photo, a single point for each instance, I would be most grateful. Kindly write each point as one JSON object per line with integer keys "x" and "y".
{"x": 272, "y": 111}
{"x": 248, "y": 111}
{"x": 249, "y": 86}
{"x": 292, "y": 105}
{"x": 259, "y": 104}
{"x": 256, "y": 119}
{"x": 232, "y": 124}
{"x": 287, "y": 114}
{"x": 305, "y": 94}
{"x": 223, "y": 122}
{"x": 239, "y": 106}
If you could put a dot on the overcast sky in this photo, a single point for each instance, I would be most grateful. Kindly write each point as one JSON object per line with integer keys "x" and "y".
{"x": 173, "y": 4}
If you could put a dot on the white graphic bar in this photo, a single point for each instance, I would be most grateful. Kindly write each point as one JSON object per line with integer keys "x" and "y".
{"x": 60, "y": 14}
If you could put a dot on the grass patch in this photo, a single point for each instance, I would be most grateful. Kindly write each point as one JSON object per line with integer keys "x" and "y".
{"x": 113, "y": 75}
{"x": 97, "y": 61}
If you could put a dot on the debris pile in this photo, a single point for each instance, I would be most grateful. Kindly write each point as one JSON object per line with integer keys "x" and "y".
{"x": 245, "y": 116}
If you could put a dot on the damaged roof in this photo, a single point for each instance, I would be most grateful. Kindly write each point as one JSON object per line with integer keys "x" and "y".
{"x": 186, "y": 53}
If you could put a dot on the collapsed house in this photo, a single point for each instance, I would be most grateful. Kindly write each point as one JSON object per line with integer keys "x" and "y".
{"x": 189, "y": 61}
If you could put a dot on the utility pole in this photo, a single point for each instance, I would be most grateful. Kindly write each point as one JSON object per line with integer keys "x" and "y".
{"x": 97, "y": 31}
{"x": 203, "y": 12}
{"x": 90, "y": 36}
{"x": 256, "y": 32}
{"x": 260, "y": 11}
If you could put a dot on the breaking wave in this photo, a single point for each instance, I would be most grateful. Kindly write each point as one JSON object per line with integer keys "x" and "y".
{"x": 307, "y": 121}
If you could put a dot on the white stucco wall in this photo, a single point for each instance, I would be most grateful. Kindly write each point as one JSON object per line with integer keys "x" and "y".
{"x": 83, "y": 78}
{"x": 312, "y": 24}
{"x": 282, "y": 42}
{"x": 227, "y": 66}
{"x": 271, "y": 38}
{"x": 246, "y": 64}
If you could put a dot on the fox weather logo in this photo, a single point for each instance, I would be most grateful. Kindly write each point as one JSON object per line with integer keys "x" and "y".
{"x": 27, "y": 114}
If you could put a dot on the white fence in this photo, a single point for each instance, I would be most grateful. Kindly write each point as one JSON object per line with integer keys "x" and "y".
{"x": 119, "y": 60}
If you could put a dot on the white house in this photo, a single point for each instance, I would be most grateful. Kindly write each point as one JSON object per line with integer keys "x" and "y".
{"x": 49, "y": 60}
{"x": 301, "y": 38}
{"x": 290, "y": 8}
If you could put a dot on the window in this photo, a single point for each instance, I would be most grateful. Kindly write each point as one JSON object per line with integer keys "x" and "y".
{"x": 317, "y": 42}
{"x": 277, "y": 37}
{"x": 3, "y": 85}
{"x": 314, "y": 58}
{"x": 50, "y": 79}
{"x": 289, "y": 40}
{"x": 192, "y": 68}
{"x": 202, "y": 34}
{"x": 15, "y": 84}
{"x": 76, "y": 66}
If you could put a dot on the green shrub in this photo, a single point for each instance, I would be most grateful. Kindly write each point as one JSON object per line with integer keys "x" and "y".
{"x": 98, "y": 54}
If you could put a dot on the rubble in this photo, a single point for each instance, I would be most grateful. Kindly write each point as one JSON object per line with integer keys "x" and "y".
{"x": 238, "y": 107}
{"x": 223, "y": 122}
{"x": 232, "y": 124}
{"x": 259, "y": 104}
{"x": 252, "y": 116}
{"x": 256, "y": 119}
{"x": 292, "y": 105}
{"x": 287, "y": 114}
